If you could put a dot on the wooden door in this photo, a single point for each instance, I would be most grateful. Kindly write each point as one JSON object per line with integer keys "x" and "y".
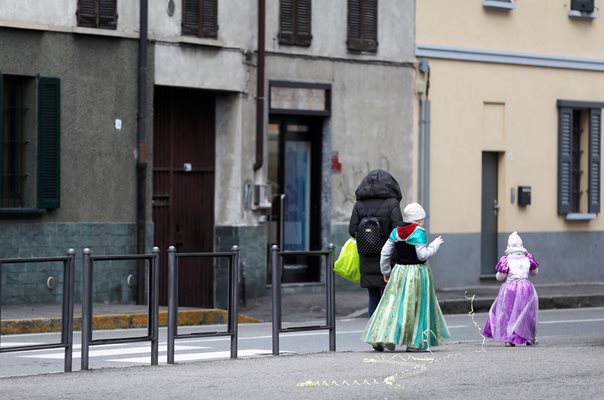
{"x": 183, "y": 188}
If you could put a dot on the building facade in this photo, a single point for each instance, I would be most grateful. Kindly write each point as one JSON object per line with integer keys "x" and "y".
{"x": 508, "y": 108}
{"x": 205, "y": 124}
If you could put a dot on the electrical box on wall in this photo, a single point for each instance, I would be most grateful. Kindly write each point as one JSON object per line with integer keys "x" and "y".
{"x": 262, "y": 197}
{"x": 524, "y": 195}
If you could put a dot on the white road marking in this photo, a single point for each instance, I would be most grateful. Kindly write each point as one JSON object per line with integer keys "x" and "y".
{"x": 202, "y": 356}
{"x": 113, "y": 352}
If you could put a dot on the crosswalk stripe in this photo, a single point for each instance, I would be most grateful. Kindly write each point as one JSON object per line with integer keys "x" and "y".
{"x": 113, "y": 352}
{"x": 201, "y": 356}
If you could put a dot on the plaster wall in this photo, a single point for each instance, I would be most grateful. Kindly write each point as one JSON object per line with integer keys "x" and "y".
{"x": 370, "y": 124}
{"x": 60, "y": 15}
{"x": 526, "y": 135}
{"x": 98, "y": 162}
{"x": 537, "y": 26}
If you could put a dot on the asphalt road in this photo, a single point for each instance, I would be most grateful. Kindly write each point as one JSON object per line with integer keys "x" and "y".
{"x": 256, "y": 340}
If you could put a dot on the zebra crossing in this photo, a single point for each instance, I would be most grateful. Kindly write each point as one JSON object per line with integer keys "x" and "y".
{"x": 128, "y": 353}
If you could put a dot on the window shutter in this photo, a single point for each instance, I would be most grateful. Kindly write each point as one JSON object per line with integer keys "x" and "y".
{"x": 1, "y": 132}
{"x": 354, "y": 25}
{"x": 108, "y": 14}
{"x": 49, "y": 134}
{"x": 87, "y": 13}
{"x": 303, "y": 22}
{"x": 190, "y": 17}
{"x": 565, "y": 126}
{"x": 286, "y": 22}
{"x": 595, "y": 126}
{"x": 370, "y": 25}
{"x": 210, "y": 18}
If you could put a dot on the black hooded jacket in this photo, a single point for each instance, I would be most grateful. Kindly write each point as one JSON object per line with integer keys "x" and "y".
{"x": 379, "y": 195}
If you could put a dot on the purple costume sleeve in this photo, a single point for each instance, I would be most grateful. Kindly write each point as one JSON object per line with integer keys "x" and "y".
{"x": 533, "y": 261}
{"x": 502, "y": 265}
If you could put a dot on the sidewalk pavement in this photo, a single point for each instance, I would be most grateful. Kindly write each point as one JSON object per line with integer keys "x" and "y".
{"x": 295, "y": 307}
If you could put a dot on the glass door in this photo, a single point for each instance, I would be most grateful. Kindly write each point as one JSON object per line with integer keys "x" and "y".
{"x": 294, "y": 173}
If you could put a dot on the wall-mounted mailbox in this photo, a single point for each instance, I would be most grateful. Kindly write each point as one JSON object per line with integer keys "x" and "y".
{"x": 524, "y": 195}
{"x": 262, "y": 196}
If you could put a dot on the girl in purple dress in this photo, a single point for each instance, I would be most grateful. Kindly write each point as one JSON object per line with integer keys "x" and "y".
{"x": 513, "y": 315}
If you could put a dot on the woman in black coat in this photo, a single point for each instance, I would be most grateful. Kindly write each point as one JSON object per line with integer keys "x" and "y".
{"x": 378, "y": 195}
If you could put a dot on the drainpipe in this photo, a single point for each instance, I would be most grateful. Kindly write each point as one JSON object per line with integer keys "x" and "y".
{"x": 424, "y": 141}
{"x": 141, "y": 163}
{"x": 260, "y": 87}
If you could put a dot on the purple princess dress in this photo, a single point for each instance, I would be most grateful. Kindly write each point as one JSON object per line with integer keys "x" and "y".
{"x": 513, "y": 315}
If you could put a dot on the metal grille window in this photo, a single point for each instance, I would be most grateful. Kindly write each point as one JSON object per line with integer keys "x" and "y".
{"x": 29, "y": 145}
{"x": 97, "y": 14}
{"x": 200, "y": 18}
{"x": 362, "y": 25}
{"x": 579, "y": 152}
{"x": 295, "y": 22}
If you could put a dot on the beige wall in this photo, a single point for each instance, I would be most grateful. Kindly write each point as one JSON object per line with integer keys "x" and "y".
{"x": 479, "y": 106}
{"x": 538, "y": 26}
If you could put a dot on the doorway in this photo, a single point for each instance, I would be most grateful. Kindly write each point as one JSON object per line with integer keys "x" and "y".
{"x": 294, "y": 146}
{"x": 489, "y": 214}
{"x": 183, "y": 189}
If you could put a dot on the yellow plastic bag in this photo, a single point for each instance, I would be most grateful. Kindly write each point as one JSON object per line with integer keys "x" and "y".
{"x": 348, "y": 264}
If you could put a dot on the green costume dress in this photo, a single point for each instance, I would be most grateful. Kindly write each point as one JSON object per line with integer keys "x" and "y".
{"x": 408, "y": 313}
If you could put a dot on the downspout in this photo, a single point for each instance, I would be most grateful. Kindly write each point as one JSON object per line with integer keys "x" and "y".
{"x": 260, "y": 86}
{"x": 141, "y": 163}
{"x": 424, "y": 140}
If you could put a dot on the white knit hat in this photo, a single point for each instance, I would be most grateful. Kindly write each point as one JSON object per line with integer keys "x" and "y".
{"x": 413, "y": 212}
{"x": 515, "y": 244}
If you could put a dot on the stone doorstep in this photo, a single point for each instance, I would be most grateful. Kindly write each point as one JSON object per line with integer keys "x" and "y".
{"x": 120, "y": 321}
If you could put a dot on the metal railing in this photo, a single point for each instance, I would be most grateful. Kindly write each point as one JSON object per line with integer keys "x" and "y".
{"x": 277, "y": 271}
{"x": 67, "y": 305}
{"x": 153, "y": 302}
{"x": 232, "y": 323}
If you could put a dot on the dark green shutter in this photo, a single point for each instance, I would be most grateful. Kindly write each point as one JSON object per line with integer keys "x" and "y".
{"x": 595, "y": 126}
{"x": 87, "y": 13}
{"x": 286, "y": 22}
{"x": 108, "y": 14}
{"x": 370, "y": 20}
{"x": 49, "y": 149}
{"x": 210, "y": 18}
{"x": 190, "y": 17}
{"x": 1, "y": 134}
{"x": 565, "y": 126}
{"x": 355, "y": 41}
{"x": 303, "y": 22}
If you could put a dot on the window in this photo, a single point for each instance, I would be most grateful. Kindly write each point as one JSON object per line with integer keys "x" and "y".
{"x": 295, "y": 22}
{"x": 362, "y": 25}
{"x": 579, "y": 149}
{"x": 97, "y": 14}
{"x": 29, "y": 162}
{"x": 583, "y": 6}
{"x": 498, "y": 5}
{"x": 200, "y": 18}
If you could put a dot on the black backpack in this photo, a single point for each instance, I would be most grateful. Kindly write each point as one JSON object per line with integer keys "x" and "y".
{"x": 370, "y": 236}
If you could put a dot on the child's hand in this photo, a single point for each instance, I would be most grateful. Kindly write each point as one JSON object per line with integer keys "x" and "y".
{"x": 386, "y": 278}
{"x": 439, "y": 240}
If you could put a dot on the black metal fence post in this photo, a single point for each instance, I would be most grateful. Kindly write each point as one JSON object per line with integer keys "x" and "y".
{"x": 172, "y": 302}
{"x": 331, "y": 297}
{"x": 86, "y": 308}
{"x": 68, "y": 294}
{"x": 154, "y": 305}
{"x": 233, "y": 299}
{"x": 276, "y": 291}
